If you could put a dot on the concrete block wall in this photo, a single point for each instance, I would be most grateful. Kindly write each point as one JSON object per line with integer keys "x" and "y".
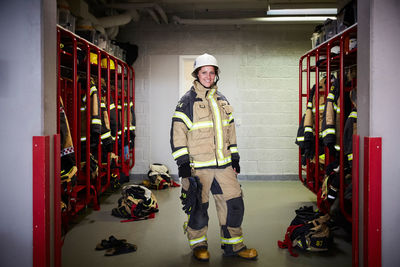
{"x": 259, "y": 76}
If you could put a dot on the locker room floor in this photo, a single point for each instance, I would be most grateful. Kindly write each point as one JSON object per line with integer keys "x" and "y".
{"x": 269, "y": 208}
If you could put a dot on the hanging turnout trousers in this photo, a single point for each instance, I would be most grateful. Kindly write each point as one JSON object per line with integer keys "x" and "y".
{"x": 203, "y": 133}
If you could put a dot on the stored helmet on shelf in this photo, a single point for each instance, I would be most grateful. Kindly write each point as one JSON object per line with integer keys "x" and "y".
{"x": 104, "y": 64}
{"x": 205, "y": 60}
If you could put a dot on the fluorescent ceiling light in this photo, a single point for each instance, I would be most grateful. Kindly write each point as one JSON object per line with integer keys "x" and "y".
{"x": 295, "y": 18}
{"x": 306, "y": 11}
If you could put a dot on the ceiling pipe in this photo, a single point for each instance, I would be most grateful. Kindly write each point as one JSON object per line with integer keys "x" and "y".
{"x": 118, "y": 20}
{"x": 153, "y": 15}
{"x": 130, "y": 6}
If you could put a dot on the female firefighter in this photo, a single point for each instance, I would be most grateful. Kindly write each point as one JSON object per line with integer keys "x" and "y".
{"x": 203, "y": 142}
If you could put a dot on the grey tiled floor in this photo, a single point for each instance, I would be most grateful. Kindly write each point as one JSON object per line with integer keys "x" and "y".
{"x": 269, "y": 208}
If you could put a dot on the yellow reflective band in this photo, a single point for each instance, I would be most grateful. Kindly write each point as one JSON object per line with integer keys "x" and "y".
{"x": 337, "y": 147}
{"x": 353, "y": 114}
{"x": 131, "y": 104}
{"x": 233, "y": 149}
{"x": 201, "y": 164}
{"x": 328, "y": 131}
{"x": 113, "y": 138}
{"x": 112, "y": 106}
{"x": 96, "y": 121}
{"x": 321, "y": 107}
{"x": 202, "y": 124}
{"x": 125, "y": 104}
{"x": 182, "y": 116}
{"x": 102, "y": 105}
{"x": 83, "y": 108}
{"x": 322, "y": 156}
{"x": 119, "y": 107}
{"x": 197, "y": 240}
{"x": 106, "y": 135}
{"x": 218, "y": 122}
{"x": 350, "y": 156}
{"x": 331, "y": 96}
{"x": 301, "y": 138}
{"x": 224, "y": 161}
{"x": 313, "y": 110}
{"x": 309, "y": 104}
{"x": 307, "y": 129}
{"x": 232, "y": 241}
{"x": 93, "y": 89}
{"x": 225, "y": 123}
{"x": 132, "y": 127}
{"x": 119, "y": 132}
{"x": 336, "y": 108}
{"x": 180, "y": 152}
{"x": 83, "y": 138}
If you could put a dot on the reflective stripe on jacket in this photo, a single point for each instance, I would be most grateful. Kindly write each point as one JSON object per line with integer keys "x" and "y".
{"x": 203, "y": 129}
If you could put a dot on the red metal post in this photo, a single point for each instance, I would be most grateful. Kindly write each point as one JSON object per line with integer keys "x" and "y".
{"x": 300, "y": 112}
{"x": 88, "y": 113}
{"x": 372, "y": 201}
{"x": 355, "y": 200}
{"x": 41, "y": 201}
{"x": 317, "y": 126}
{"x": 57, "y": 201}
{"x": 133, "y": 102}
{"x": 341, "y": 131}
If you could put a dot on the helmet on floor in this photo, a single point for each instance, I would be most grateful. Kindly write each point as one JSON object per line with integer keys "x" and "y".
{"x": 204, "y": 60}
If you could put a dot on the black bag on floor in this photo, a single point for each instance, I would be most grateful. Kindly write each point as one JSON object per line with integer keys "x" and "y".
{"x": 308, "y": 231}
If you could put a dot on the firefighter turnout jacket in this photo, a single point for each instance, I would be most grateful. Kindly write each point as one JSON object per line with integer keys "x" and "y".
{"x": 203, "y": 129}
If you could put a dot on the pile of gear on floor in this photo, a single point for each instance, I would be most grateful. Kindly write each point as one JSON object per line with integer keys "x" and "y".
{"x": 159, "y": 177}
{"x": 137, "y": 201}
{"x": 309, "y": 231}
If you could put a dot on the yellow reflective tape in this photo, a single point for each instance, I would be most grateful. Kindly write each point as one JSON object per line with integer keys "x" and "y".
{"x": 132, "y": 127}
{"x": 182, "y": 116}
{"x": 83, "y": 108}
{"x": 180, "y": 152}
{"x": 96, "y": 121}
{"x": 103, "y": 105}
{"x": 224, "y": 161}
{"x": 331, "y": 96}
{"x": 328, "y": 131}
{"x": 197, "y": 240}
{"x": 300, "y": 138}
{"x": 131, "y": 104}
{"x": 233, "y": 149}
{"x": 353, "y": 114}
{"x": 93, "y": 89}
{"x": 309, "y": 104}
{"x": 232, "y": 241}
{"x": 83, "y": 138}
{"x": 337, "y": 147}
{"x": 119, "y": 107}
{"x": 350, "y": 157}
{"x": 201, "y": 164}
{"x": 112, "y": 106}
{"x": 106, "y": 135}
{"x": 307, "y": 129}
{"x": 202, "y": 124}
{"x": 230, "y": 117}
{"x": 218, "y": 122}
{"x": 322, "y": 156}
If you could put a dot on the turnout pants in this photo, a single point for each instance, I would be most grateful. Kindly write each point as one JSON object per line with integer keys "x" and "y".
{"x": 227, "y": 193}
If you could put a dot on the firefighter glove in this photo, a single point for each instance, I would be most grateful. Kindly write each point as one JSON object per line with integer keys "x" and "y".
{"x": 184, "y": 170}
{"x": 235, "y": 165}
{"x": 191, "y": 196}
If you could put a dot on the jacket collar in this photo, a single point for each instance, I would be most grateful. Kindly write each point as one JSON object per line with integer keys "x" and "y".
{"x": 201, "y": 90}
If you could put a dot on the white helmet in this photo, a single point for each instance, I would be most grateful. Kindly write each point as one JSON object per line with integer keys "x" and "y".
{"x": 205, "y": 60}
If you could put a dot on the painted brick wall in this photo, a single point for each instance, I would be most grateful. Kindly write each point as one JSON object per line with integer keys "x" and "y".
{"x": 262, "y": 65}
